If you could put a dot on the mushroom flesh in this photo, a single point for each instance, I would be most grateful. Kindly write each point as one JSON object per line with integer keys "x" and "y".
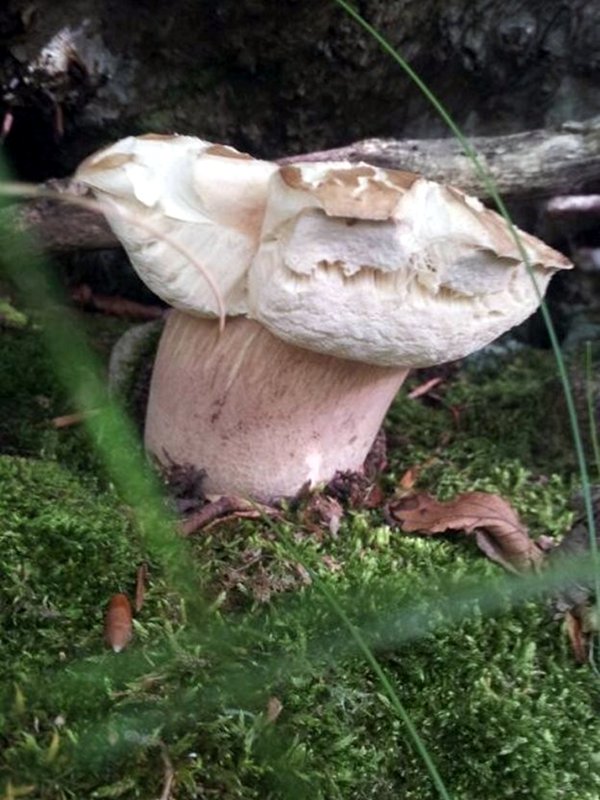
{"x": 338, "y": 278}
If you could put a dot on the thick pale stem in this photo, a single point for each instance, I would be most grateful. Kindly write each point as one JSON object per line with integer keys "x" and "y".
{"x": 262, "y": 417}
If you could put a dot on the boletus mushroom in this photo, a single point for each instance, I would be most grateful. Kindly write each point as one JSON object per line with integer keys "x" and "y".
{"x": 337, "y": 279}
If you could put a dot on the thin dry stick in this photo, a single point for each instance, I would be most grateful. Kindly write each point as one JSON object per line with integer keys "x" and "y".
{"x": 69, "y": 420}
{"x": 11, "y": 189}
{"x": 169, "y": 772}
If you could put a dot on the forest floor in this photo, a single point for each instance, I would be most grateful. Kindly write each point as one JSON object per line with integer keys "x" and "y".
{"x": 262, "y": 693}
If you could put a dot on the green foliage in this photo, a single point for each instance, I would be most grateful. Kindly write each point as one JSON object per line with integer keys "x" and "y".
{"x": 31, "y": 396}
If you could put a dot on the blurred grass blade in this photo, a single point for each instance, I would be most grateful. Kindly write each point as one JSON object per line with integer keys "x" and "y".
{"x": 110, "y": 430}
{"x": 590, "y": 393}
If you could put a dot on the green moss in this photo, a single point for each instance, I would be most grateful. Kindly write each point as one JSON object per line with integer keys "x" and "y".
{"x": 497, "y": 699}
{"x": 501, "y": 409}
{"x": 66, "y": 548}
{"x": 31, "y": 396}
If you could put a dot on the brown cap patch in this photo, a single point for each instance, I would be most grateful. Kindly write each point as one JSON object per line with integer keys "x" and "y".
{"x": 359, "y": 191}
{"x": 100, "y": 163}
{"x": 158, "y": 137}
{"x": 226, "y": 152}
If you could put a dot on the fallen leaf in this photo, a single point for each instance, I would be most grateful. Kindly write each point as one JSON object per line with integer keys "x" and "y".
{"x": 118, "y": 626}
{"x": 456, "y": 412}
{"x": 500, "y": 534}
{"x": 274, "y": 708}
{"x": 140, "y": 586}
{"x": 576, "y": 637}
{"x": 408, "y": 480}
{"x": 303, "y": 574}
{"x": 322, "y": 511}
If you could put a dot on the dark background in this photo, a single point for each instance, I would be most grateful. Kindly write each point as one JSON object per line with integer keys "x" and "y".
{"x": 277, "y": 77}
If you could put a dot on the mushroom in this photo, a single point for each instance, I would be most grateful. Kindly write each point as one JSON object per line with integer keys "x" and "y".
{"x": 338, "y": 279}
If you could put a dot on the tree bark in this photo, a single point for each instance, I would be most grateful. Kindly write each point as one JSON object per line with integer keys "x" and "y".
{"x": 522, "y": 165}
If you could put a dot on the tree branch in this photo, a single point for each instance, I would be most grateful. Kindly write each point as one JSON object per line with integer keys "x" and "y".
{"x": 525, "y": 166}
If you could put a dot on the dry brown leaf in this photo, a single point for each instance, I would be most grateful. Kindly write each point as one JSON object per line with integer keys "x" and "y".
{"x": 576, "y": 637}
{"x": 408, "y": 480}
{"x": 322, "y": 511}
{"x": 332, "y": 564}
{"x": 500, "y": 534}
{"x": 118, "y": 625}
{"x": 274, "y": 708}
{"x": 303, "y": 574}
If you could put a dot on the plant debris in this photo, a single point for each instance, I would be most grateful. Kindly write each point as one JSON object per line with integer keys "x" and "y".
{"x": 424, "y": 388}
{"x": 225, "y": 508}
{"x": 274, "y": 709}
{"x": 115, "y": 306}
{"x": 185, "y": 485}
{"x": 576, "y": 543}
{"x": 321, "y": 512}
{"x": 169, "y": 773}
{"x": 499, "y": 532}
{"x": 355, "y": 490}
{"x": 70, "y": 420}
{"x": 118, "y": 625}
{"x": 140, "y": 586}
{"x": 576, "y": 636}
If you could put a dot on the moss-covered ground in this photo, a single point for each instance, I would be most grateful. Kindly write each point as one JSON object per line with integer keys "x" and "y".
{"x": 499, "y": 701}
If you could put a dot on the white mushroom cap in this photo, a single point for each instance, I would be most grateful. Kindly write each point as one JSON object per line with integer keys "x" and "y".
{"x": 209, "y": 198}
{"x": 389, "y": 268}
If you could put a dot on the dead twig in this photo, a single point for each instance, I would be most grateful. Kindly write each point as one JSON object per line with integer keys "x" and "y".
{"x": 69, "y": 420}
{"x": 115, "y": 306}
{"x": 424, "y": 388}
{"x": 169, "y": 772}
{"x": 224, "y": 508}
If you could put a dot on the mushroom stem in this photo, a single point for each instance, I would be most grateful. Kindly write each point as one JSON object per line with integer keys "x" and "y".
{"x": 260, "y": 416}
